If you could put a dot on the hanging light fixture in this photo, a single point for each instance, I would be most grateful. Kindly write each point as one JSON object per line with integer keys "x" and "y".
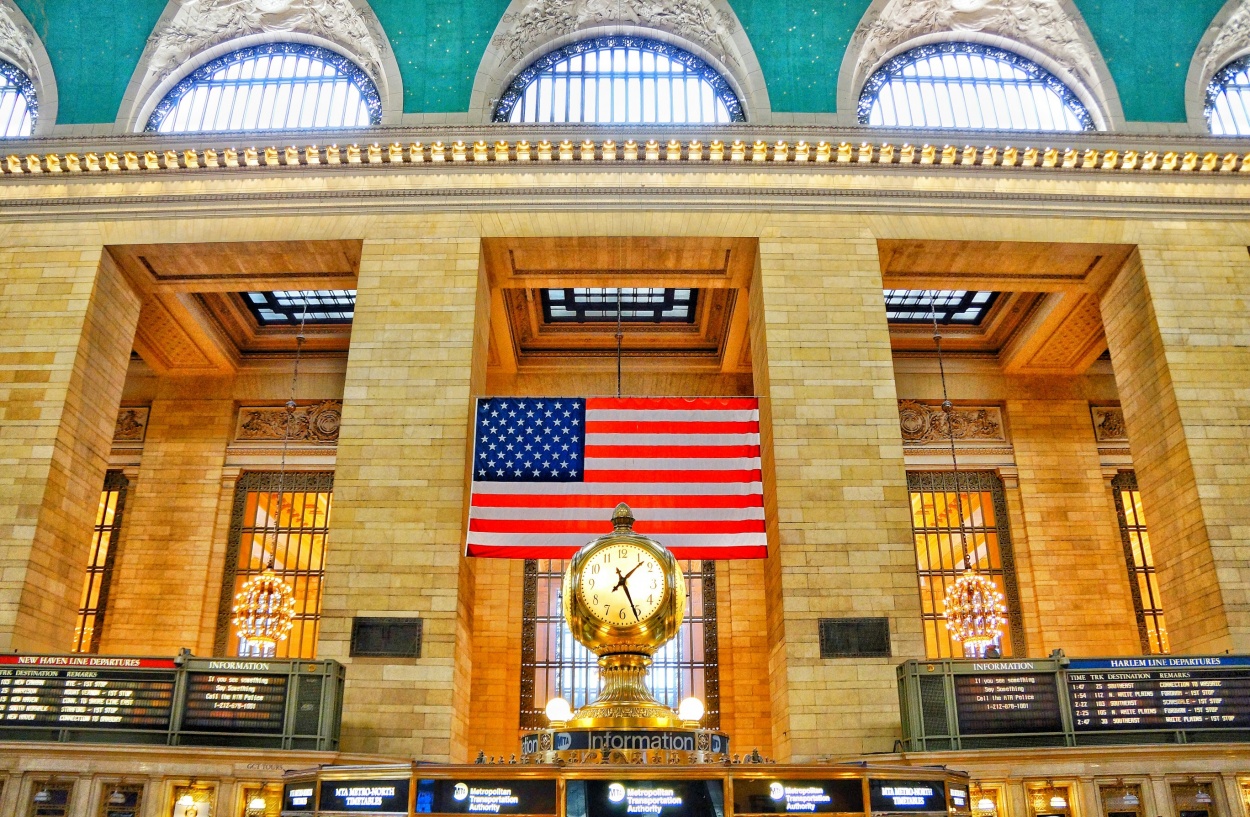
{"x": 974, "y": 609}
{"x": 264, "y": 608}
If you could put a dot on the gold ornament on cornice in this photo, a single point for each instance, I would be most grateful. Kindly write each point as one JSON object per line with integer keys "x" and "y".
{"x": 755, "y": 153}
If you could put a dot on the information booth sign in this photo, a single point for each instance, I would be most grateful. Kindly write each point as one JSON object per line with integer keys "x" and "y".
{"x": 975, "y": 704}
{"x": 171, "y": 701}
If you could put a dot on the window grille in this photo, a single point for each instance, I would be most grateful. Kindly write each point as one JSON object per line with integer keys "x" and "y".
{"x": 1228, "y": 100}
{"x": 19, "y": 108}
{"x": 619, "y": 79}
{"x": 941, "y": 557}
{"x": 953, "y": 306}
{"x": 297, "y": 549}
{"x": 636, "y": 305}
{"x": 273, "y": 86}
{"x": 1143, "y": 582}
{"x": 104, "y": 542}
{"x": 554, "y": 664}
{"x": 285, "y": 307}
{"x": 968, "y": 85}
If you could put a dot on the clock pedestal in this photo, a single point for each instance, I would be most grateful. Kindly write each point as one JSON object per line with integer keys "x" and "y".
{"x": 625, "y": 702}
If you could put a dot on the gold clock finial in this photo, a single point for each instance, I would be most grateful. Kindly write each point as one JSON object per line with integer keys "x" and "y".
{"x": 623, "y": 518}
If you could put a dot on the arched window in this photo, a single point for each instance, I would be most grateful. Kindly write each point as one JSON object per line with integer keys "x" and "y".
{"x": 619, "y": 79}
{"x": 270, "y": 87}
{"x": 18, "y": 107}
{"x": 967, "y": 85}
{"x": 1228, "y": 99}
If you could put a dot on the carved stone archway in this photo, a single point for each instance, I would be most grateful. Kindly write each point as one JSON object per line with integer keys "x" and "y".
{"x": 1051, "y": 33}
{"x": 1226, "y": 39}
{"x": 193, "y": 32}
{"x": 709, "y": 29}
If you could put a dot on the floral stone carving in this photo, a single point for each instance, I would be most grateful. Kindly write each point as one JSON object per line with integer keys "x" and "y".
{"x": 925, "y": 423}
{"x": 317, "y": 424}
{"x": 1109, "y": 424}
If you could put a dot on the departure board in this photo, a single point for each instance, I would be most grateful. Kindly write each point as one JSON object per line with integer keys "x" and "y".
{"x": 88, "y": 693}
{"x": 1163, "y": 693}
{"x": 229, "y": 702}
{"x": 1003, "y": 703}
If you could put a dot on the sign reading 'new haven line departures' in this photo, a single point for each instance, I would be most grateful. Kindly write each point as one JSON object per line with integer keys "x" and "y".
{"x": 73, "y": 697}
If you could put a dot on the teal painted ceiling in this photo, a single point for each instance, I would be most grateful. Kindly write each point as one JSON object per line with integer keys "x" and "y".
{"x": 95, "y": 47}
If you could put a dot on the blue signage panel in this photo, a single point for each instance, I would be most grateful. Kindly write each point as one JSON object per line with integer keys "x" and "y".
{"x": 469, "y": 796}
{"x": 644, "y": 798}
{"x": 374, "y": 796}
{"x": 298, "y": 797}
{"x": 907, "y": 795}
{"x": 776, "y": 796}
{"x": 625, "y": 740}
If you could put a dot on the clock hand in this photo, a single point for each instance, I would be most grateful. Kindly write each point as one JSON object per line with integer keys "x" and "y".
{"x": 625, "y": 587}
{"x": 630, "y": 573}
{"x": 620, "y": 581}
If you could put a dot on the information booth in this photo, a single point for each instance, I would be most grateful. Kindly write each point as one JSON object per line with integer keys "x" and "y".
{"x": 722, "y": 790}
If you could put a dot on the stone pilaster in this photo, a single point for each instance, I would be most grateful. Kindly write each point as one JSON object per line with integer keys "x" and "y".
{"x": 842, "y": 544}
{"x": 1179, "y": 331}
{"x": 162, "y": 576}
{"x": 400, "y": 480}
{"x": 1079, "y": 579}
{"x": 67, "y": 321}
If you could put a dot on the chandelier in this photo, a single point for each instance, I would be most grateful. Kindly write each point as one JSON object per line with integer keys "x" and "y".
{"x": 974, "y": 609}
{"x": 264, "y": 612}
{"x": 264, "y": 608}
{"x": 975, "y": 613}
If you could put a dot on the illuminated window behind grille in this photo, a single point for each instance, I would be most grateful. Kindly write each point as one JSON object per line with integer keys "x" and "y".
{"x": 619, "y": 79}
{"x": 104, "y": 541}
{"x": 1141, "y": 565}
{"x": 269, "y": 87}
{"x": 1228, "y": 100}
{"x": 554, "y": 664}
{"x": 298, "y": 550}
{"x": 968, "y": 85}
{"x": 18, "y": 109}
{"x": 942, "y": 557}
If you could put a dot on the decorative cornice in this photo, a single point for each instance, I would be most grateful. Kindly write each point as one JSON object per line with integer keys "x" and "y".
{"x": 606, "y": 153}
{"x": 924, "y": 424}
{"x": 131, "y": 427}
{"x": 317, "y": 424}
{"x": 1109, "y": 424}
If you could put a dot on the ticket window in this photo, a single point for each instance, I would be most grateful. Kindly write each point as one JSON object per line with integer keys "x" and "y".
{"x": 193, "y": 800}
{"x": 49, "y": 798}
{"x": 260, "y": 800}
{"x": 1194, "y": 799}
{"x": 120, "y": 800}
{"x": 987, "y": 800}
{"x": 1049, "y": 799}
{"x": 1122, "y": 800}
{"x": 1243, "y": 785}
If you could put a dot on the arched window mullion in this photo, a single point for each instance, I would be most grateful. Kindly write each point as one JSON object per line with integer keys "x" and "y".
{"x": 969, "y": 85}
{"x": 19, "y": 106}
{"x": 272, "y": 86}
{"x": 1228, "y": 99}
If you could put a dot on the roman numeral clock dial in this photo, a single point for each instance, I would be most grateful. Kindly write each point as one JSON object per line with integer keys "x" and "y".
{"x": 622, "y": 585}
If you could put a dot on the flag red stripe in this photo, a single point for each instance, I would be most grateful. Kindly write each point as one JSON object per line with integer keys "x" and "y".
{"x": 545, "y": 552}
{"x": 672, "y": 451}
{"x": 673, "y": 403}
{"x": 742, "y": 475}
{"x": 669, "y": 427}
{"x": 597, "y": 501}
{"x": 594, "y": 527}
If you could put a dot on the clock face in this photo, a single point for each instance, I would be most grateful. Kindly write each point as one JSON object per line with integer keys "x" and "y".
{"x": 621, "y": 585}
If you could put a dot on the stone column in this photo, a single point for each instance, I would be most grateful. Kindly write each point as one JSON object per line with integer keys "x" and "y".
{"x": 841, "y": 543}
{"x": 396, "y": 536}
{"x": 1079, "y": 576}
{"x": 161, "y": 578}
{"x": 1178, "y": 326}
{"x": 67, "y": 322}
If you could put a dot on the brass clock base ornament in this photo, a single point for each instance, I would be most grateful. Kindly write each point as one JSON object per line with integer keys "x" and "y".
{"x": 624, "y": 598}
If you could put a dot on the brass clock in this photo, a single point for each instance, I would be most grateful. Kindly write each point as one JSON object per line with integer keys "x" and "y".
{"x": 624, "y": 593}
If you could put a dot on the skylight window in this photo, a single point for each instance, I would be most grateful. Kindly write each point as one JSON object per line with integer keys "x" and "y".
{"x": 273, "y": 86}
{"x": 971, "y": 86}
{"x": 18, "y": 108}
{"x": 952, "y": 306}
{"x": 619, "y": 79}
{"x": 1228, "y": 100}
{"x": 636, "y": 305}
{"x": 288, "y": 307}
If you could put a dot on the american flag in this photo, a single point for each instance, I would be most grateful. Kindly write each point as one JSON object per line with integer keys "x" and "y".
{"x": 548, "y": 471}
